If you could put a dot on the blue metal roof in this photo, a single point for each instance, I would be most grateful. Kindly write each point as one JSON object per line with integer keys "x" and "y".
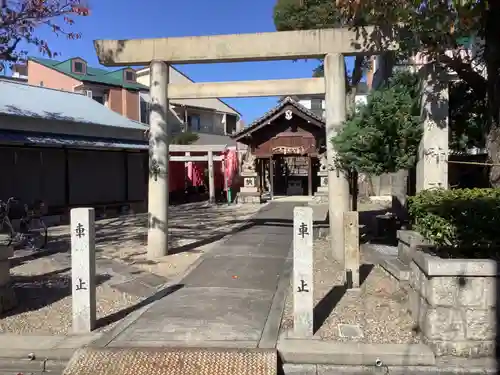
{"x": 21, "y": 99}
{"x": 40, "y": 139}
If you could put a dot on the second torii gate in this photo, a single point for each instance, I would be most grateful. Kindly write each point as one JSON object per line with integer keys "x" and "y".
{"x": 330, "y": 44}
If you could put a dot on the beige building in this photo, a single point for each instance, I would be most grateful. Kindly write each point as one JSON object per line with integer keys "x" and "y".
{"x": 212, "y": 116}
{"x": 126, "y": 91}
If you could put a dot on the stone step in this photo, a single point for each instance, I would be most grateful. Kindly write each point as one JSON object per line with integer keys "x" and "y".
{"x": 27, "y": 367}
{"x": 396, "y": 268}
{"x": 173, "y": 361}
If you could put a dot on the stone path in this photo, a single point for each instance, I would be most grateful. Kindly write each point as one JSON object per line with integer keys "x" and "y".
{"x": 126, "y": 281}
{"x": 227, "y": 300}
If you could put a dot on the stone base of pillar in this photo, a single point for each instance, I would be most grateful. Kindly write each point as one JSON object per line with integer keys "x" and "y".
{"x": 7, "y": 296}
{"x": 320, "y": 197}
{"x": 248, "y": 197}
{"x": 249, "y": 193}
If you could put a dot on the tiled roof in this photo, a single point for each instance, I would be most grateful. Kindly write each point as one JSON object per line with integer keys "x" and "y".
{"x": 273, "y": 111}
{"x": 95, "y": 75}
{"x": 21, "y": 99}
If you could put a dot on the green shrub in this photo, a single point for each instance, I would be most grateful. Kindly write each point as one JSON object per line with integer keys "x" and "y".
{"x": 186, "y": 138}
{"x": 460, "y": 218}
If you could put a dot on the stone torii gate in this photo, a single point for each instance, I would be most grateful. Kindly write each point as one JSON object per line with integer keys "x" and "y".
{"x": 330, "y": 44}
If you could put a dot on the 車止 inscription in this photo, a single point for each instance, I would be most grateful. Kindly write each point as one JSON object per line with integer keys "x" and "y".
{"x": 302, "y": 287}
{"x": 81, "y": 285}
{"x": 80, "y": 230}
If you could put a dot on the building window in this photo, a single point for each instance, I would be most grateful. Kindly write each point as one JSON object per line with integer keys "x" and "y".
{"x": 78, "y": 67}
{"x": 129, "y": 75}
{"x": 194, "y": 123}
{"x": 98, "y": 99}
{"x": 230, "y": 124}
{"x": 144, "y": 108}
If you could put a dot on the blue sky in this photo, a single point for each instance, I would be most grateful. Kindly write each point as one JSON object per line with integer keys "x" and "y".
{"x": 119, "y": 19}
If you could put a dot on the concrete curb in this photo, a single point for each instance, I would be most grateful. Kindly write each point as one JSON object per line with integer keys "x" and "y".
{"x": 270, "y": 334}
{"x": 59, "y": 348}
{"x": 319, "y": 352}
{"x": 307, "y": 369}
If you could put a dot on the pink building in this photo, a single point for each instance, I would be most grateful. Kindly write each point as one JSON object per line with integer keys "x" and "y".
{"x": 117, "y": 90}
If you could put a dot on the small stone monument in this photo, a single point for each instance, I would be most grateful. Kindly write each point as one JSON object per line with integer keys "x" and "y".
{"x": 249, "y": 192}
{"x": 83, "y": 269}
{"x": 321, "y": 195}
{"x": 303, "y": 303}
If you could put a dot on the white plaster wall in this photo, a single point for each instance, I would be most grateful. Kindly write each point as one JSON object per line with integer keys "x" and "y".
{"x": 360, "y": 99}
{"x": 306, "y": 103}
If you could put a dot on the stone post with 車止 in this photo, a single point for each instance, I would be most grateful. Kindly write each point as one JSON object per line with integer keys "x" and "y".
{"x": 351, "y": 239}
{"x": 83, "y": 269}
{"x": 303, "y": 302}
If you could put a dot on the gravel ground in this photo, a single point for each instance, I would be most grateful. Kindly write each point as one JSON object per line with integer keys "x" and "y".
{"x": 193, "y": 228}
{"x": 43, "y": 286}
{"x": 43, "y": 291}
{"x": 378, "y": 309}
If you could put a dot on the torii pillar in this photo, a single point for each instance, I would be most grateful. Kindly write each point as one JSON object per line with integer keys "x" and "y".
{"x": 289, "y": 45}
{"x": 158, "y": 161}
{"x": 338, "y": 185}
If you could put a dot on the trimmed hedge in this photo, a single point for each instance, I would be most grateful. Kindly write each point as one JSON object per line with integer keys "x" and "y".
{"x": 465, "y": 219}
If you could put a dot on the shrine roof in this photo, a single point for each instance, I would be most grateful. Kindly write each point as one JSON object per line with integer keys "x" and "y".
{"x": 275, "y": 112}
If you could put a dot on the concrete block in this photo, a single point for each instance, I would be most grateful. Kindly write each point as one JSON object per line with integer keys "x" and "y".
{"x": 408, "y": 240}
{"x": 480, "y": 324}
{"x": 299, "y": 369}
{"x": 453, "y": 302}
{"x": 396, "y": 268}
{"x": 435, "y": 266}
{"x": 335, "y": 353}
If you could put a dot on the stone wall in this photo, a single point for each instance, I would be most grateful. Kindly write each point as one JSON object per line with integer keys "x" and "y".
{"x": 453, "y": 302}
{"x": 7, "y": 296}
{"x": 408, "y": 241}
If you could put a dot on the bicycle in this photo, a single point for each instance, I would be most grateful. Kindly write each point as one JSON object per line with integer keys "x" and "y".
{"x": 32, "y": 229}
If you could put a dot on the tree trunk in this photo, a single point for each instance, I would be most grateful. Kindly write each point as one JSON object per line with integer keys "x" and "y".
{"x": 492, "y": 59}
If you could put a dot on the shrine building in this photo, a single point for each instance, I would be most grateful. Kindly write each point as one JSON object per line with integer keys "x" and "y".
{"x": 286, "y": 154}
